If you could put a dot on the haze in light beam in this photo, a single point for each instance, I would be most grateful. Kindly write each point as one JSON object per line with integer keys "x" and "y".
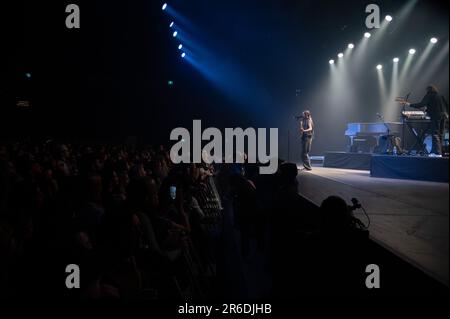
{"x": 390, "y": 107}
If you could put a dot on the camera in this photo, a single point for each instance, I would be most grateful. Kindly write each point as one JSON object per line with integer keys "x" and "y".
{"x": 355, "y": 205}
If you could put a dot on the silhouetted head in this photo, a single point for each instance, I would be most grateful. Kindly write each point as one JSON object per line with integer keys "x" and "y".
{"x": 288, "y": 174}
{"x": 432, "y": 89}
{"x": 335, "y": 214}
{"x": 143, "y": 193}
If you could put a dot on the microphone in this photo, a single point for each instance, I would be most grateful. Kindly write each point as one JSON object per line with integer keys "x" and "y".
{"x": 299, "y": 117}
{"x": 407, "y": 96}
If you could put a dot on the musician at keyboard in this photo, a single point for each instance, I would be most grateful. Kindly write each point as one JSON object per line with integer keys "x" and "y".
{"x": 437, "y": 109}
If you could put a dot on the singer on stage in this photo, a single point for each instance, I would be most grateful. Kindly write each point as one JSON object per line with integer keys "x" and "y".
{"x": 307, "y": 132}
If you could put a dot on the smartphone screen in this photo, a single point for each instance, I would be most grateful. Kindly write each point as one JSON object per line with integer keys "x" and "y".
{"x": 173, "y": 192}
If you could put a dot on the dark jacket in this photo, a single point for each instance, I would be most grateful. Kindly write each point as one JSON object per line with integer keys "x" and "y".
{"x": 436, "y": 105}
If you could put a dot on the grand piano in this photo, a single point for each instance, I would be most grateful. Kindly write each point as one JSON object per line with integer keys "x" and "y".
{"x": 362, "y": 131}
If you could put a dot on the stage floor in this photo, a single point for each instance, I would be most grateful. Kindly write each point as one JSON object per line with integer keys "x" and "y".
{"x": 410, "y": 218}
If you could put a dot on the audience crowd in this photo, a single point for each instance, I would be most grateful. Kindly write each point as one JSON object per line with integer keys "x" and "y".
{"x": 136, "y": 225}
{"x": 139, "y": 227}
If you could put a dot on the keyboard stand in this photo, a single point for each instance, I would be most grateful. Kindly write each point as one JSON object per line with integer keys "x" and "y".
{"x": 420, "y": 135}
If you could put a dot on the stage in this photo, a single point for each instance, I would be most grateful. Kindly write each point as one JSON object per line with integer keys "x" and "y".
{"x": 410, "y": 218}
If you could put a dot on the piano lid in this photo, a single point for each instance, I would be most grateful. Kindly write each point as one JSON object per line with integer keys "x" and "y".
{"x": 372, "y": 128}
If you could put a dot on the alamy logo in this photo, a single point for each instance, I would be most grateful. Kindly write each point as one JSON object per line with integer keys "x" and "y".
{"x": 73, "y": 279}
{"x": 73, "y": 19}
{"x": 257, "y": 146}
{"x": 373, "y": 279}
{"x": 373, "y": 20}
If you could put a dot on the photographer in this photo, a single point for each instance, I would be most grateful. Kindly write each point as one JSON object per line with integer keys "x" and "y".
{"x": 336, "y": 256}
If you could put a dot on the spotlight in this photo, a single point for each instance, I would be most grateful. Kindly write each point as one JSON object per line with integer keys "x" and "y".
{"x": 379, "y": 67}
{"x": 396, "y": 60}
{"x": 351, "y": 46}
{"x": 28, "y": 75}
{"x": 412, "y": 51}
{"x": 331, "y": 61}
{"x": 180, "y": 47}
{"x": 434, "y": 40}
{"x": 183, "y": 55}
{"x": 164, "y": 7}
{"x": 341, "y": 55}
{"x": 175, "y": 34}
{"x": 172, "y": 24}
{"x": 389, "y": 18}
{"x": 367, "y": 35}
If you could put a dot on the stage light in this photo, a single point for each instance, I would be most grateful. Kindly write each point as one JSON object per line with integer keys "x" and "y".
{"x": 341, "y": 55}
{"x": 367, "y": 35}
{"x": 175, "y": 34}
{"x": 412, "y": 51}
{"x": 351, "y": 46}
{"x": 379, "y": 67}
{"x": 183, "y": 55}
{"x": 396, "y": 60}
{"x": 164, "y": 7}
{"x": 172, "y": 24}
{"x": 180, "y": 47}
{"x": 170, "y": 83}
{"x": 331, "y": 61}
{"x": 28, "y": 75}
{"x": 389, "y": 18}
{"x": 434, "y": 40}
